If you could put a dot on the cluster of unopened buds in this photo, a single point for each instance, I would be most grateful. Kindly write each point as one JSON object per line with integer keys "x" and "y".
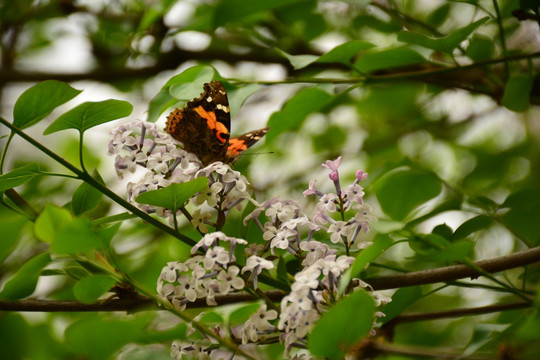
{"x": 288, "y": 234}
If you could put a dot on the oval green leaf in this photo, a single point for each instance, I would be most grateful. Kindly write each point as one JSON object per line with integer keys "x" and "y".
{"x": 294, "y": 112}
{"x": 164, "y": 100}
{"x": 173, "y": 196}
{"x": 187, "y": 90}
{"x": 50, "y": 221}
{"x": 77, "y": 237}
{"x": 401, "y": 300}
{"x": 18, "y": 176}
{"x": 335, "y": 333}
{"x": 98, "y": 338}
{"x": 40, "y": 100}
{"x": 89, "y": 289}
{"x": 23, "y": 283}
{"x": 517, "y": 93}
{"x": 472, "y": 225}
{"x": 85, "y": 198}
{"x": 90, "y": 114}
{"x": 386, "y": 59}
{"x": 402, "y": 191}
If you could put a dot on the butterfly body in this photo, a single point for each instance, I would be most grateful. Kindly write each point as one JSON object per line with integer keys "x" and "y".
{"x": 203, "y": 127}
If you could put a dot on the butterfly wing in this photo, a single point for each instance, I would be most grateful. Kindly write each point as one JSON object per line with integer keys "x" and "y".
{"x": 203, "y": 125}
{"x": 239, "y": 144}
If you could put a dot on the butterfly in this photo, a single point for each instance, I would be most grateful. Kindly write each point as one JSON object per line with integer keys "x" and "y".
{"x": 203, "y": 127}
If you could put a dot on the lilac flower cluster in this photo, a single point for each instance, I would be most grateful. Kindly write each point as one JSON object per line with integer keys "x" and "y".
{"x": 288, "y": 229}
{"x": 315, "y": 242}
{"x": 142, "y": 146}
{"x": 203, "y": 276}
{"x": 287, "y": 232}
{"x": 338, "y": 203}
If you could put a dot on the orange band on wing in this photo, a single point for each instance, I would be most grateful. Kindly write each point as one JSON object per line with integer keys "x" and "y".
{"x": 212, "y": 123}
{"x": 236, "y": 147}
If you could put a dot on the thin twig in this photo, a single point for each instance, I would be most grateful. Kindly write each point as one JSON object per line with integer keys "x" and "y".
{"x": 434, "y": 315}
{"x": 450, "y": 273}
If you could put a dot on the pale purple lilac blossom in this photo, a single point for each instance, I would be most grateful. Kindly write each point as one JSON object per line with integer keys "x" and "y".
{"x": 285, "y": 228}
{"x": 143, "y": 146}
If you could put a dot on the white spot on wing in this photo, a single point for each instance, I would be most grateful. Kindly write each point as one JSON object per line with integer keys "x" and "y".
{"x": 223, "y": 108}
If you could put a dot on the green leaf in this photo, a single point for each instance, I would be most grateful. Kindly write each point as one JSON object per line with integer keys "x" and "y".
{"x": 458, "y": 251}
{"x": 335, "y": 333}
{"x": 178, "y": 332}
{"x": 114, "y": 218}
{"x": 76, "y": 272}
{"x": 238, "y": 97}
{"x": 443, "y": 230}
{"x": 234, "y": 10}
{"x": 18, "y": 176}
{"x": 445, "y": 44}
{"x": 86, "y": 197}
{"x": 89, "y": 289}
{"x": 387, "y": 59}
{"x": 40, "y": 100}
{"x": 192, "y": 89}
{"x": 457, "y": 37}
{"x": 340, "y": 54}
{"x": 524, "y": 214}
{"x": 211, "y": 317}
{"x": 294, "y": 112}
{"x": 23, "y": 283}
{"x": 439, "y": 15}
{"x": 480, "y": 48}
{"x": 428, "y": 244}
{"x": 77, "y": 237}
{"x": 98, "y": 338}
{"x": 380, "y": 244}
{"x": 90, "y": 114}
{"x": 482, "y": 335}
{"x": 401, "y": 301}
{"x": 50, "y": 221}
{"x": 12, "y": 225}
{"x": 281, "y": 270}
{"x": 402, "y": 191}
{"x": 107, "y": 234}
{"x": 298, "y": 61}
{"x": 473, "y": 225}
{"x": 344, "y": 52}
{"x": 173, "y": 196}
{"x": 517, "y": 92}
{"x": 242, "y": 314}
{"x": 164, "y": 100}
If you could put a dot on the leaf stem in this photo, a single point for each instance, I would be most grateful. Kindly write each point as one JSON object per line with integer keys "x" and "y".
{"x": 3, "y": 159}
{"x": 501, "y": 33}
{"x": 99, "y": 186}
{"x": 81, "y": 147}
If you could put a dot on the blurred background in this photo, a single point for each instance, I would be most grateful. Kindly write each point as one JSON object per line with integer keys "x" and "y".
{"x": 417, "y": 88}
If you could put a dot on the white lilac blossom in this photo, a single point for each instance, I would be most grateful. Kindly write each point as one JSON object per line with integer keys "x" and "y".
{"x": 287, "y": 231}
{"x": 143, "y": 146}
{"x": 258, "y": 324}
{"x": 256, "y": 264}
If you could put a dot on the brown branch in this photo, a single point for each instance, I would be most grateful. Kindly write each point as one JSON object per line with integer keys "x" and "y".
{"x": 434, "y": 315}
{"x": 130, "y": 305}
{"x": 167, "y": 61}
{"x": 444, "y": 274}
{"x": 455, "y": 272}
{"x": 371, "y": 349}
